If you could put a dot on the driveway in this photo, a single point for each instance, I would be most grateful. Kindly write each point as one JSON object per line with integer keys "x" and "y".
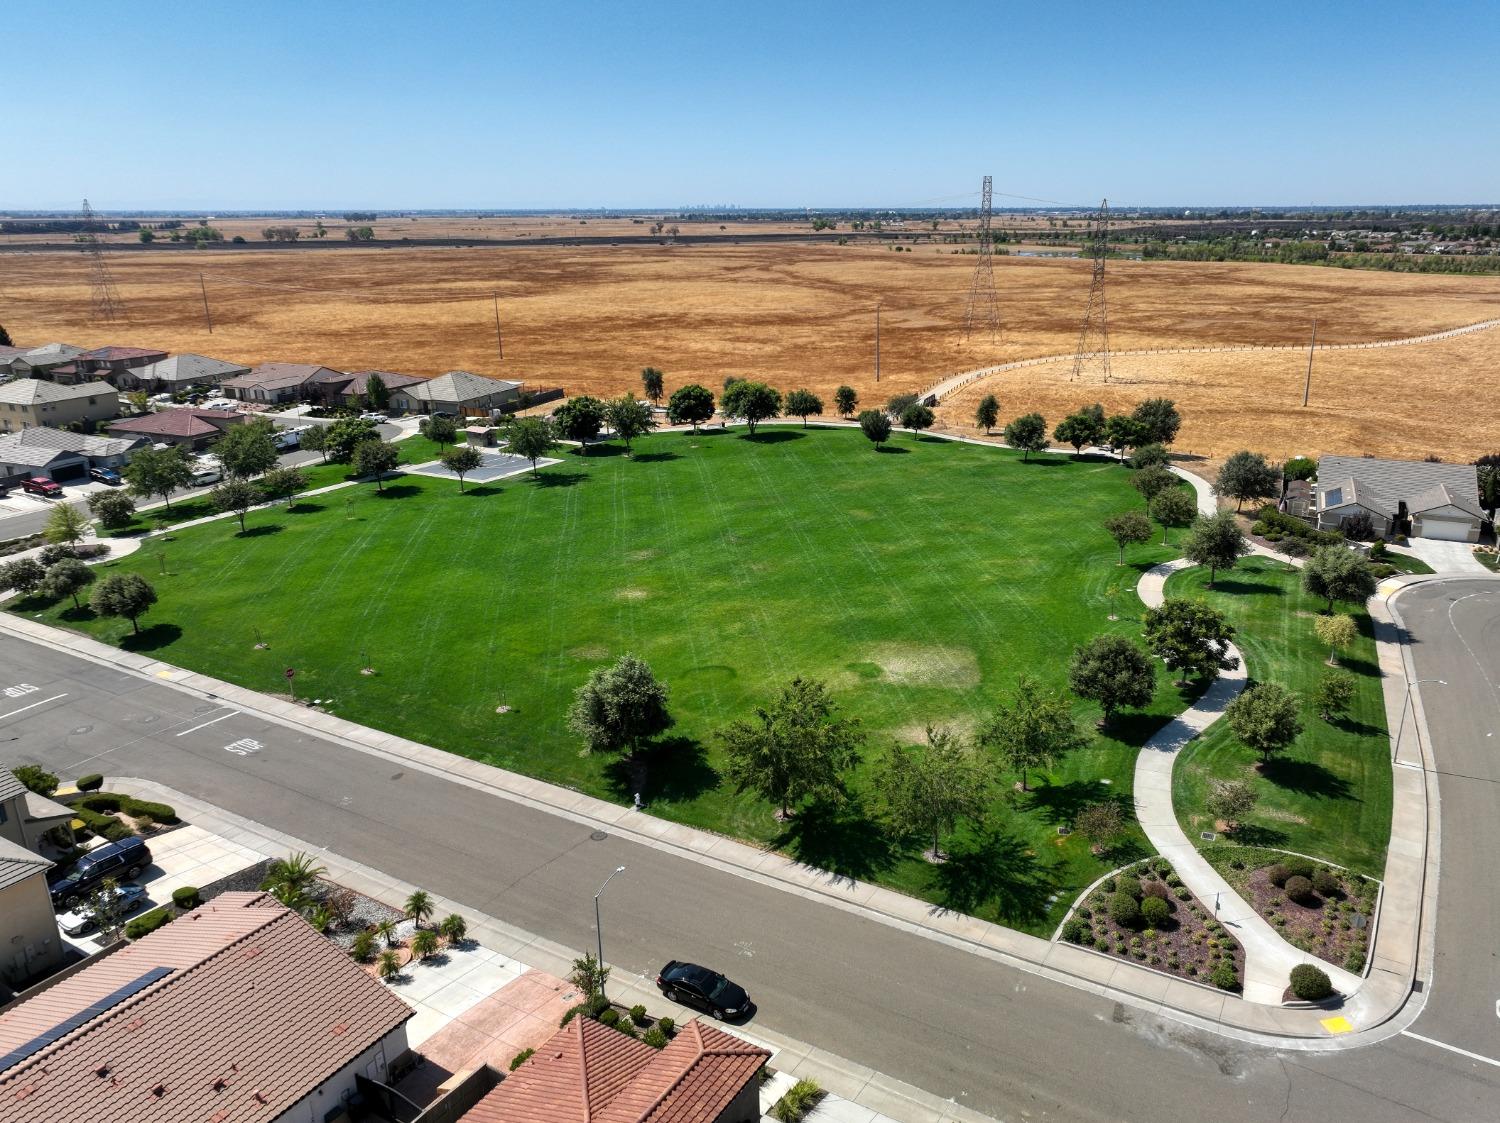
{"x": 1444, "y": 557}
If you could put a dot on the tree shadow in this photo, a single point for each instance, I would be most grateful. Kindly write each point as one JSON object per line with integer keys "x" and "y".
{"x": 995, "y": 866}
{"x": 675, "y": 769}
{"x": 600, "y": 450}
{"x": 843, "y": 838}
{"x": 655, "y": 457}
{"x": 775, "y": 436}
{"x": 481, "y": 490}
{"x": 1060, "y": 803}
{"x": 301, "y": 508}
{"x": 1253, "y": 834}
{"x": 559, "y": 478}
{"x": 1049, "y": 461}
{"x": 1132, "y": 728}
{"x": 1358, "y": 728}
{"x": 398, "y": 491}
{"x": 1366, "y": 668}
{"x": 1306, "y": 777}
{"x": 925, "y": 440}
{"x": 892, "y": 449}
{"x": 260, "y": 531}
{"x": 78, "y": 613}
{"x": 152, "y": 638}
{"x": 1241, "y": 586}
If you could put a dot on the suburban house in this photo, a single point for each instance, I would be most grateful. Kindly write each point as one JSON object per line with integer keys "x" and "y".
{"x": 7, "y": 353}
{"x": 238, "y": 1011}
{"x": 282, "y": 382}
{"x": 107, "y": 361}
{"x": 456, "y": 392}
{"x": 60, "y": 455}
{"x": 26, "y": 816}
{"x": 1440, "y": 500}
{"x": 30, "y": 946}
{"x": 590, "y": 1073}
{"x": 29, "y": 401}
{"x": 352, "y": 392}
{"x": 39, "y": 362}
{"x": 194, "y": 428}
{"x": 178, "y": 373}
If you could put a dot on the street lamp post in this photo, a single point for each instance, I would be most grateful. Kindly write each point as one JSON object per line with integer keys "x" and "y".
{"x": 1406, "y": 705}
{"x": 599, "y": 928}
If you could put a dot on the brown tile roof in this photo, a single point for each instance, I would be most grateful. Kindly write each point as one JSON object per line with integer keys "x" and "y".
{"x": 589, "y": 1073}
{"x": 179, "y": 422}
{"x": 254, "y": 1010}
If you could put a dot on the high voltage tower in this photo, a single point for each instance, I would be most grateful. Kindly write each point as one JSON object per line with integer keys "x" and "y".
{"x": 982, "y": 303}
{"x": 1093, "y": 340}
{"x": 107, "y": 305}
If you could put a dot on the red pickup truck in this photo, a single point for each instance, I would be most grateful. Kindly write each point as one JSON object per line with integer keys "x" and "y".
{"x": 41, "y": 485}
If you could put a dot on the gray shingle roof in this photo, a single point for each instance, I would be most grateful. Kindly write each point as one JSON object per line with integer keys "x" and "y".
{"x": 1442, "y": 496}
{"x": 38, "y": 438}
{"x": 9, "y": 785}
{"x": 458, "y": 386}
{"x": 1388, "y": 483}
{"x": 52, "y": 353}
{"x": 17, "y": 863}
{"x": 190, "y": 368}
{"x": 32, "y": 391}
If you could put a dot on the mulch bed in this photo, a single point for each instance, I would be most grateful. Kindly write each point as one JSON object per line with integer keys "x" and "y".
{"x": 1327, "y": 927}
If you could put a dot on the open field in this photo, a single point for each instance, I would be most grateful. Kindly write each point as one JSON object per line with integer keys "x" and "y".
{"x": 730, "y": 564}
{"x": 589, "y": 318}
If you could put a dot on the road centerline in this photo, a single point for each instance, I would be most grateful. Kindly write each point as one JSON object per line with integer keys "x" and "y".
{"x": 1451, "y": 1048}
{"x": 206, "y": 724}
{"x": 33, "y": 705}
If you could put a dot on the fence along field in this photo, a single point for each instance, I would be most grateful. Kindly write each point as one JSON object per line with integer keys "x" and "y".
{"x": 803, "y": 315}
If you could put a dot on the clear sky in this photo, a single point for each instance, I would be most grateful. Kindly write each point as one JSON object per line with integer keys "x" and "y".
{"x": 448, "y": 103}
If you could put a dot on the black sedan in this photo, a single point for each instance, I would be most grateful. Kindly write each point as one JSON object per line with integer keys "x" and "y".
{"x": 709, "y": 991}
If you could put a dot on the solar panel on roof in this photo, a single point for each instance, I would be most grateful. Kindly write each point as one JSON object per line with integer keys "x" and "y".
{"x": 83, "y": 1017}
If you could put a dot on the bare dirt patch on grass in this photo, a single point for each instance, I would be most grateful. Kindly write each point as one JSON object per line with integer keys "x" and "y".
{"x": 915, "y": 665}
{"x": 632, "y": 594}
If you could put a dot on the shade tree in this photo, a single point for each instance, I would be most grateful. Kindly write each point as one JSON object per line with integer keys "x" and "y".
{"x": 534, "y": 438}
{"x": 917, "y": 417}
{"x": 794, "y": 749}
{"x": 112, "y": 509}
{"x": 1027, "y": 433}
{"x": 1191, "y": 637}
{"x": 1079, "y": 430}
{"x": 123, "y": 594}
{"x": 751, "y": 402}
{"x": 1157, "y": 421}
{"x": 235, "y": 496}
{"x": 1247, "y": 476}
{"x": 928, "y": 788}
{"x": 1175, "y": 506}
{"x": 620, "y": 707}
{"x": 630, "y": 418}
{"x": 846, "y": 401}
{"x": 653, "y": 384}
{"x": 691, "y": 404}
{"x": 1266, "y": 717}
{"x": 375, "y": 458}
{"x": 1217, "y": 542}
{"x": 67, "y": 577}
{"x": 876, "y": 425}
{"x": 157, "y": 472}
{"x": 1033, "y": 728}
{"x": 986, "y": 413}
{"x": 1128, "y": 528}
{"x": 1337, "y": 573}
{"x": 461, "y": 460}
{"x": 1112, "y": 670}
{"x": 1336, "y": 631}
{"x": 803, "y": 404}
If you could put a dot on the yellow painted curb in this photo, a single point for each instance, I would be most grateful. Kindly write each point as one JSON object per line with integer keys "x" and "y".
{"x": 1337, "y": 1024}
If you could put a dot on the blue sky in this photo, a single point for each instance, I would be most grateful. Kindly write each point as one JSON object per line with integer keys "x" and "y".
{"x": 454, "y": 104}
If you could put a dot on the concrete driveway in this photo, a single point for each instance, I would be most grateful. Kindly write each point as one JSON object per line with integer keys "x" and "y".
{"x": 1444, "y": 557}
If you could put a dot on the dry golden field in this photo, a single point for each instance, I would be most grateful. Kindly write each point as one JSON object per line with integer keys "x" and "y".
{"x": 589, "y": 318}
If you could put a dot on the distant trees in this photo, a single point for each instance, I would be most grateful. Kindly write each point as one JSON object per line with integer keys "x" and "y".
{"x": 876, "y": 424}
{"x": 1336, "y": 631}
{"x": 1079, "y": 430}
{"x": 846, "y": 401}
{"x": 1337, "y": 573}
{"x": 281, "y": 233}
{"x": 803, "y": 404}
{"x": 653, "y": 384}
{"x": 1247, "y": 476}
{"x": 928, "y": 788}
{"x": 1027, "y": 433}
{"x": 157, "y": 472}
{"x": 359, "y": 233}
{"x": 236, "y": 497}
{"x": 534, "y": 437}
{"x": 630, "y": 418}
{"x": 620, "y": 707}
{"x": 461, "y": 460}
{"x": 1266, "y": 718}
{"x": 581, "y": 419}
{"x": 691, "y": 404}
{"x": 1128, "y": 528}
{"x": 123, "y": 594}
{"x": 375, "y": 458}
{"x": 1111, "y": 670}
{"x": 796, "y": 748}
{"x": 753, "y": 402}
{"x": 1175, "y": 506}
{"x": 1191, "y": 637}
{"x": 986, "y": 413}
{"x": 1217, "y": 542}
{"x": 1034, "y": 729}
{"x": 917, "y": 417}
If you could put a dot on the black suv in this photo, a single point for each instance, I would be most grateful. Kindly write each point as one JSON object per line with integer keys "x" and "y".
{"x": 707, "y": 990}
{"x": 121, "y": 860}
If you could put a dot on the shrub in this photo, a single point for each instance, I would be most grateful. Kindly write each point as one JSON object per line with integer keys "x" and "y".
{"x": 363, "y": 946}
{"x": 1298, "y": 867}
{"x": 1156, "y": 889}
{"x": 623, "y": 1025}
{"x": 186, "y": 897}
{"x": 595, "y": 1005}
{"x": 1300, "y": 889}
{"x": 1124, "y": 910}
{"x": 1277, "y": 874}
{"x": 1072, "y": 930}
{"x": 160, "y": 812}
{"x": 453, "y": 927}
{"x": 1224, "y": 976}
{"x": 53, "y": 554}
{"x": 638, "y": 1014}
{"x": 1355, "y": 961}
{"x": 1377, "y": 549}
{"x": 609, "y": 1017}
{"x": 1310, "y": 983}
{"x": 1182, "y": 893}
{"x": 1110, "y": 884}
{"x": 147, "y": 923}
{"x": 655, "y": 1038}
{"x": 90, "y": 783}
{"x": 1325, "y": 882}
{"x": 666, "y": 1025}
{"x": 1155, "y": 911}
{"x": 1161, "y": 866}
{"x": 99, "y": 801}
{"x": 521, "y": 1058}
{"x": 569, "y": 1014}
{"x": 798, "y": 1101}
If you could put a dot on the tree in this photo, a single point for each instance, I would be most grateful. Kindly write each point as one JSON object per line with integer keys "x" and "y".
{"x": 1150, "y": 456}
{"x": 67, "y": 578}
{"x": 1035, "y": 729}
{"x": 1101, "y": 823}
{"x": 388, "y": 966}
{"x": 35, "y": 778}
{"x": 620, "y": 707}
{"x": 123, "y": 594}
{"x": 247, "y": 450}
{"x": 375, "y": 458}
{"x": 377, "y": 393}
{"x": 1337, "y": 573}
{"x": 1487, "y": 469}
{"x": 282, "y": 483}
{"x": 438, "y": 429}
{"x": 139, "y": 401}
{"x": 917, "y": 417}
{"x": 345, "y": 435}
{"x": 1111, "y": 670}
{"x": 581, "y": 419}
{"x": 65, "y": 524}
{"x": 462, "y": 460}
{"x": 146, "y": 236}
{"x": 630, "y": 418}
{"x": 928, "y": 788}
{"x": 1152, "y": 481}
{"x": 1174, "y": 507}
{"x": 1027, "y": 433}
{"x": 1122, "y": 433}
{"x": 453, "y": 927}
{"x": 5, "y": 340}
{"x": 588, "y": 976}
{"x": 753, "y": 402}
{"x": 159, "y": 472}
{"x": 1190, "y": 637}
{"x": 419, "y": 907}
{"x": 236, "y": 497}
{"x": 846, "y": 401}
{"x": 1336, "y": 631}
{"x": 533, "y": 438}
{"x": 315, "y": 440}
{"x": 1247, "y": 475}
{"x": 1217, "y": 542}
{"x": 876, "y": 424}
{"x": 803, "y": 404}
{"x": 1230, "y": 800}
{"x": 1128, "y": 528}
{"x": 1157, "y": 420}
{"x": 1334, "y": 694}
{"x": 1266, "y": 718}
{"x": 424, "y": 943}
{"x": 653, "y": 384}
{"x": 691, "y": 404}
{"x": 1079, "y": 429}
{"x": 104, "y": 908}
{"x": 986, "y": 413}
{"x": 795, "y": 749}
{"x": 24, "y": 575}
{"x": 112, "y": 509}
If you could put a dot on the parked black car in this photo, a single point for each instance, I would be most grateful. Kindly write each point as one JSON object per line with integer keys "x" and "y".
{"x": 710, "y": 991}
{"x": 121, "y": 860}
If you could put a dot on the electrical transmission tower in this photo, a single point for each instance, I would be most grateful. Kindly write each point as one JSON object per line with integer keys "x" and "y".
{"x": 107, "y": 305}
{"x": 1093, "y": 340}
{"x": 982, "y": 305}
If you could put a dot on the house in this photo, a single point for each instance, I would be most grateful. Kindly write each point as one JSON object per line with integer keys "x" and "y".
{"x": 29, "y": 401}
{"x": 353, "y": 392}
{"x": 106, "y": 361}
{"x": 238, "y": 1011}
{"x": 39, "y": 362}
{"x": 456, "y": 392}
{"x": 1298, "y": 499}
{"x": 1438, "y": 500}
{"x": 26, "y": 816}
{"x": 184, "y": 425}
{"x": 7, "y": 353}
{"x": 178, "y": 373}
{"x": 281, "y": 382}
{"x": 60, "y": 455}
{"x": 30, "y": 946}
{"x": 590, "y": 1073}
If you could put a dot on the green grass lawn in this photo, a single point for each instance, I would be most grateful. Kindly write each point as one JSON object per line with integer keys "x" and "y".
{"x": 918, "y": 582}
{"x": 1405, "y": 563}
{"x": 1329, "y": 795}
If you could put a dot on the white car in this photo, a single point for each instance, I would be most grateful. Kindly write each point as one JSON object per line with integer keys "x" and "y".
{"x": 78, "y": 920}
{"x": 378, "y": 418}
{"x": 288, "y": 438}
{"x": 205, "y": 474}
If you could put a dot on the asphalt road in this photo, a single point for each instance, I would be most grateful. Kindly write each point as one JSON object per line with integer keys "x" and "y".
{"x": 996, "y": 1038}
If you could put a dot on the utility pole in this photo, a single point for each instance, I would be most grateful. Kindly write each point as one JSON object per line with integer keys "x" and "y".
{"x": 499, "y": 342}
{"x": 877, "y": 340}
{"x": 209, "y": 320}
{"x": 982, "y": 302}
{"x": 1311, "y": 347}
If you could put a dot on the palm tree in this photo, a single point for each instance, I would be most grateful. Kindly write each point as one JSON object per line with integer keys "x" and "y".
{"x": 454, "y": 928}
{"x": 389, "y": 966}
{"x": 419, "y": 907}
{"x": 386, "y": 930}
{"x": 424, "y": 943}
{"x": 322, "y": 918}
{"x": 295, "y": 874}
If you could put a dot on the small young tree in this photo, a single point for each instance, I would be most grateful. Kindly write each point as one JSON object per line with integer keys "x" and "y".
{"x": 1266, "y": 718}
{"x": 24, "y": 575}
{"x": 1128, "y": 528}
{"x": 620, "y": 707}
{"x": 1034, "y": 729}
{"x": 105, "y": 910}
{"x": 653, "y": 384}
{"x": 247, "y": 450}
{"x": 986, "y": 413}
{"x": 917, "y": 417}
{"x": 803, "y": 404}
{"x": 376, "y": 458}
{"x": 316, "y": 440}
{"x": 112, "y": 509}
{"x": 282, "y": 483}
{"x": 928, "y": 788}
{"x": 418, "y": 907}
{"x": 588, "y": 976}
{"x": 1079, "y": 430}
{"x": 629, "y": 418}
{"x": 846, "y": 401}
{"x": 1111, "y": 670}
{"x": 752, "y": 402}
{"x": 1334, "y": 695}
{"x": 534, "y": 438}
{"x": 1102, "y": 823}
{"x": 876, "y": 424}
{"x": 388, "y": 966}
{"x": 1247, "y": 476}
{"x": 424, "y": 943}
{"x": 1336, "y": 631}
{"x": 67, "y": 578}
{"x": 1191, "y": 637}
{"x": 1173, "y": 507}
{"x": 1027, "y": 433}
{"x": 796, "y": 748}
{"x": 454, "y": 928}
{"x": 1152, "y": 481}
{"x": 1231, "y": 801}
{"x": 435, "y": 427}
{"x": 123, "y": 594}
{"x": 690, "y": 405}
{"x": 235, "y": 496}
{"x": 1337, "y": 573}
{"x": 1217, "y": 542}
{"x": 463, "y": 459}
{"x": 1157, "y": 421}
{"x": 66, "y": 524}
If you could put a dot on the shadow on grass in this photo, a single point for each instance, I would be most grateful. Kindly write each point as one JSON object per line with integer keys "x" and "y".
{"x": 152, "y": 638}
{"x": 1306, "y": 777}
{"x": 1239, "y": 586}
{"x": 842, "y": 838}
{"x": 674, "y": 769}
{"x": 775, "y": 436}
{"x": 398, "y": 491}
{"x": 603, "y": 449}
{"x": 261, "y": 531}
{"x": 655, "y": 457}
{"x": 559, "y": 478}
{"x": 1061, "y": 803}
{"x": 933, "y": 441}
{"x": 1357, "y": 728}
{"x": 481, "y": 490}
{"x": 1356, "y": 666}
{"x": 1252, "y": 834}
{"x": 892, "y": 449}
{"x": 1049, "y": 461}
{"x": 77, "y": 614}
{"x": 301, "y": 508}
{"x": 997, "y": 868}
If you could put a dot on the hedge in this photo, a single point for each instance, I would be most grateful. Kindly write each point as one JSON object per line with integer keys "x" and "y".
{"x": 1269, "y": 518}
{"x": 147, "y": 923}
{"x": 186, "y": 897}
{"x": 91, "y": 783}
{"x": 106, "y": 826}
{"x": 113, "y": 801}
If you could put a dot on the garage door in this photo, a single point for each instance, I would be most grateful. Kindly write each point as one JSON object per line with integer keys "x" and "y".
{"x": 62, "y": 473}
{"x": 1446, "y": 530}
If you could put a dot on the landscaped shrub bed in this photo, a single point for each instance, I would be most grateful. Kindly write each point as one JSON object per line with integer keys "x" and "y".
{"x": 1274, "y": 525}
{"x": 1322, "y": 910}
{"x": 1145, "y": 914}
{"x": 97, "y": 811}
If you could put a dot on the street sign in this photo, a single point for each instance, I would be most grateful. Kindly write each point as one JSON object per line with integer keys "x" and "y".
{"x": 290, "y": 673}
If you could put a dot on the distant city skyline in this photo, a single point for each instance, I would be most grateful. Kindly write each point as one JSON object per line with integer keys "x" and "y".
{"x": 573, "y": 106}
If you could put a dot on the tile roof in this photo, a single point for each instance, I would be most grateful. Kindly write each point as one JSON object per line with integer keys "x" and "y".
{"x": 16, "y": 865}
{"x": 589, "y": 1073}
{"x": 52, "y": 353}
{"x": 41, "y": 439}
{"x": 1388, "y": 483}
{"x": 458, "y": 386}
{"x": 1442, "y": 495}
{"x": 253, "y": 1011}
{"x": 7, "y": 353}
{"x": 190, "y": 368}
{"x": 179, "y": 422}
{"x": 33, "y": 391}
{"x": 114, "y": 354}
